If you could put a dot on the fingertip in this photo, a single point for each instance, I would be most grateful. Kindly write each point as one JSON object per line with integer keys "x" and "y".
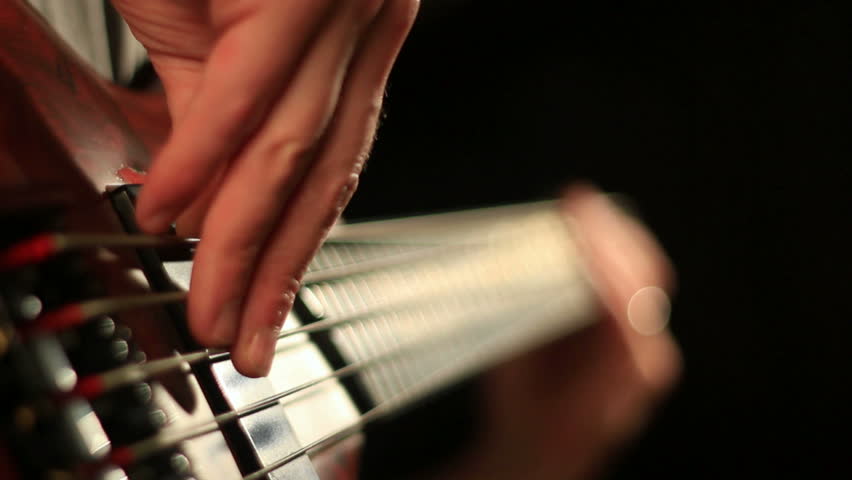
{"x": 157, "y": 222}
{"x": 260, "y": 329}
{"x": 615, "y": 231}
{"x": 253, "y": 358}
{"x": 172, "y": 184}
{"x": 247, "y": 368}
{"x": 250, "y": 371}
{"x": 151, "y": 217}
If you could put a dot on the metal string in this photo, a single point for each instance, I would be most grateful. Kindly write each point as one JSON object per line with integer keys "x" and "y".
{"x": 325, "y": 275}
{"x": 139, "y": 372}
{"x": 472, "y": 360}
{"x": 157, "y": 443}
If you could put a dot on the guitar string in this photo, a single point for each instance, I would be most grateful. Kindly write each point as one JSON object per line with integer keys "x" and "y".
{"x": 472, "y": 360}
{"x": 330, "y": 274}
{"x": 171, "y": 438}
{"x": 75, "y": 314}
{"x": 137, "y": 372}
{"x": 155, "y": 444}
{"x": 43, "y": 246}
{"x": 378, "y": 412}
{"x": 102, "y": 382}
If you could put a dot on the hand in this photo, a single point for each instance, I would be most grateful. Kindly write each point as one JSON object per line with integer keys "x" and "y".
{"x": 274, "y": 104}
{"x": 558, "y": 413}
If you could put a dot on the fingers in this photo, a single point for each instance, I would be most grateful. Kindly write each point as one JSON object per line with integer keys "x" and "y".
{"x": 248, "y": 204}
{"x": 633, "y": 276}
{"x": 191, "y": 220}
{"x": 239, "y": 81}
{"x": 586, "y": 394}
{"x": 325, "y": 190}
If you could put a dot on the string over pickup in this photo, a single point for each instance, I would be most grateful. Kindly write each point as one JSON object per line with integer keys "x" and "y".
{"x": 78, "y": 313}
{"x": 41, "y": 247}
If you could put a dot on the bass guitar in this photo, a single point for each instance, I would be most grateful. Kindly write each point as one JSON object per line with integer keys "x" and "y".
{"x": 99, "y": 377}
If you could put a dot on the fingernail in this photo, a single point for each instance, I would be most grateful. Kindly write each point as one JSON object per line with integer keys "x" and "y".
{"x": 261, "y": 349}
{"x": 224, "y": 330}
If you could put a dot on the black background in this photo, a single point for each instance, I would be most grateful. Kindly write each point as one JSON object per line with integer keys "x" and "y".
{"x": 728, "y": 125}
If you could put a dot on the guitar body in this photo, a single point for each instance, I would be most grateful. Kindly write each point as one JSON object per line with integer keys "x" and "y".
{"x": 99, "y": 128}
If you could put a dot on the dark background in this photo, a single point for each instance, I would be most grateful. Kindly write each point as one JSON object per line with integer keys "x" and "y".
{"x": 728, "y": 126}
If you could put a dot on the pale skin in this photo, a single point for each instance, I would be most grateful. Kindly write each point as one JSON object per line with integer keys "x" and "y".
{"x": 274, "y": 106}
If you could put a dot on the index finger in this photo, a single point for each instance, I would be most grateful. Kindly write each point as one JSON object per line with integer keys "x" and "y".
{"x": 248, "y": 66}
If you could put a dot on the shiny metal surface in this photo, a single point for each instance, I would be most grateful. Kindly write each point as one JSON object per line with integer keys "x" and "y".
{"x": 86, "y": 436}
{"x": 269, "y": 431}
{"x": 53, "y": 363}
{"x": 112, "y": 473}
{"x": 296, "y": 420}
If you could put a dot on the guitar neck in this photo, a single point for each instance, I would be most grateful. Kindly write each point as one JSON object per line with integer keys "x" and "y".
{"x": 397, "y": 310}
{"x": 415, "y": 304}
{"x": 426, "y": 301}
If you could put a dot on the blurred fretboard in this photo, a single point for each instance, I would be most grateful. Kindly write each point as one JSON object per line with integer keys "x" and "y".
{"x": 424, "y": 301}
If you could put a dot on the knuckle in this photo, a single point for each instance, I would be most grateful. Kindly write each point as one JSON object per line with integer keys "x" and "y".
{"x": 239, "y": 253}
{"x": 343, "y": 189}
{"x": 338, "y": 194}
{"x": 367, "y": 114}
{"x": 283, "y": 157}
{"x": 372, "y": 109}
